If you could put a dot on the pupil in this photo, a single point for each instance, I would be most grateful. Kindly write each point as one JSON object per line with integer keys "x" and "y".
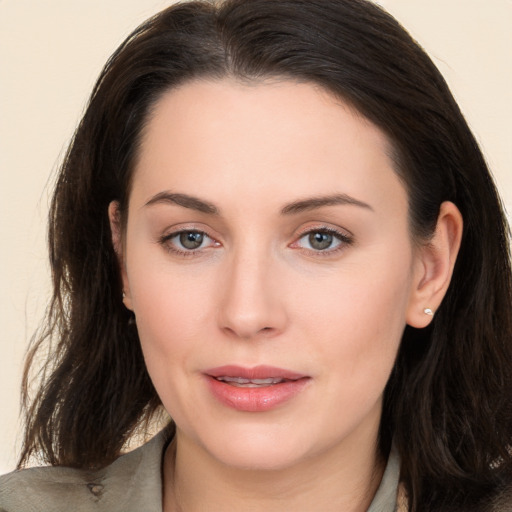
{"x": 320, "y": 240}
{"x": 191, "y": 240}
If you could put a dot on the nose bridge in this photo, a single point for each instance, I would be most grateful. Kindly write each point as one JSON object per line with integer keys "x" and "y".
{"x": 251, "y": 302}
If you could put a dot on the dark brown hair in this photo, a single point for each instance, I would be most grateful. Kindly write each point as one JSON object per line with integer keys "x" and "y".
{"x": 448, "y": 404}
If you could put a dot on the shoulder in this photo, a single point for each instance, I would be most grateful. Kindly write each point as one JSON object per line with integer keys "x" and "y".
{"x": 131, "y": 483}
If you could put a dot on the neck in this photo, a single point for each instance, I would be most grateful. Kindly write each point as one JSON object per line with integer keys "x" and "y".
{"x": 345, "y": 477}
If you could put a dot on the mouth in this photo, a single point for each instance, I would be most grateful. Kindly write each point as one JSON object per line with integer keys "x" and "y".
{"x": 240, "y": 382}
{"x": 256, "y": 373}
{"x": 255, "y": 389}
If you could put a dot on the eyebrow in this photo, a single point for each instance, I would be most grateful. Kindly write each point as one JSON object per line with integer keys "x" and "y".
{"x": 194, "y": 203}
{"x": 185, "y": 201}
{"x": 318, "y": 202}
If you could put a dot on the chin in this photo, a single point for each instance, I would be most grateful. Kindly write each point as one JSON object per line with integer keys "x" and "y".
{"x": 259, "y": 457}
{"x": 258, "y": 448}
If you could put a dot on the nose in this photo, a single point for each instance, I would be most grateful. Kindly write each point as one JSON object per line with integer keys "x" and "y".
{"x": 252, "y": 303}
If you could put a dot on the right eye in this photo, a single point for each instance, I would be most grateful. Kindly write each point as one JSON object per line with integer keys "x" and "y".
{"x": 188, "y": 241}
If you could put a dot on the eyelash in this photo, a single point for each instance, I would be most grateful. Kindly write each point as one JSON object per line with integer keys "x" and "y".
{"x": 344, "y": 240}
{"x": 166, "y": 242}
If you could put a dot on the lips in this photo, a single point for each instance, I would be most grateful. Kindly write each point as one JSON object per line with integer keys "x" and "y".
{"x": 250, "y": 383}
{"x": 255, "y": 389}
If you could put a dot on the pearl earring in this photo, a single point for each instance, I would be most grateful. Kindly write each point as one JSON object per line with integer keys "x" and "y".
{"x": 124, "y": 295}
{"x": 428, "y": 312}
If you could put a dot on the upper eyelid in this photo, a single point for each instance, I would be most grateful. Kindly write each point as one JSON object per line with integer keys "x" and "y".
{"x": 300, "y": 234}
{"x": 177, "y": 232}
{"x": 173, "y": 234}
{"x": 171, "y": 231}
{"x": 338, "y": 234}
{"x": 342, "y": 232}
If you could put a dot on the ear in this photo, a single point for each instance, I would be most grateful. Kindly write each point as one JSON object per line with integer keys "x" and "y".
{"x": 434, "y": 266}
{"x": 114, "y": 216}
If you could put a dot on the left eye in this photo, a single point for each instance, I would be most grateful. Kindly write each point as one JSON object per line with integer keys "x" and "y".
{"x": 321, "y": 240}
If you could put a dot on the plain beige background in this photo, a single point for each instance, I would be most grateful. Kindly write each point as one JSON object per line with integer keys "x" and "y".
{"x": 50, "y": 55}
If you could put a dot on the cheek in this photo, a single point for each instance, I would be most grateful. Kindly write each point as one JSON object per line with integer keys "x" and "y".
{"x": 357, "y": 321}
{"x": 172, "y": 305}
{"x": 170, "y": 311}
{"x": 171, "y": 315}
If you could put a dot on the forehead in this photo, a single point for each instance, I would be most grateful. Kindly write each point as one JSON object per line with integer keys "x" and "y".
{"x": 284, "y": 136}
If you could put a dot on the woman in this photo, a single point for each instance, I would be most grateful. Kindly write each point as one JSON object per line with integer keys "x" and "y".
{"x": 274, "y": 222}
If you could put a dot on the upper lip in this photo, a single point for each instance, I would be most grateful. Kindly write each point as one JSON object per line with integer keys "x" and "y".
{"x": 256, "y": 372}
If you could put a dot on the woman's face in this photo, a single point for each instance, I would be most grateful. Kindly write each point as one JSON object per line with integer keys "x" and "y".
{"x": 268, "y": 261}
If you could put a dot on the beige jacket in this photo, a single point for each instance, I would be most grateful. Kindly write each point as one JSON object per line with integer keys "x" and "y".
{"x": 133, "y": 483}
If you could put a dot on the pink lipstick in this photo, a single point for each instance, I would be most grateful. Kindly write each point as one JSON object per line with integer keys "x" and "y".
{"x": 255, "y": 389}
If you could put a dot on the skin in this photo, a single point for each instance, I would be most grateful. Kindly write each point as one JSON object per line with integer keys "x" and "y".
{"x": 257, "y": 292}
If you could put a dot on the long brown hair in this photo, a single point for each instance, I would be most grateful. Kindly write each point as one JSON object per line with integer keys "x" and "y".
{"x": 448, "y": 403}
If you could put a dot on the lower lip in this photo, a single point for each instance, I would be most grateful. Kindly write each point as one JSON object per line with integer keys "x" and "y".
{"x": 258, "y": 399}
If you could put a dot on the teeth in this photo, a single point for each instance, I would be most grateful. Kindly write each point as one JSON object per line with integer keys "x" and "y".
{"x": 267, "y": 381}
{"x": 235, "y": 380}
{"x": 250, "y": 383}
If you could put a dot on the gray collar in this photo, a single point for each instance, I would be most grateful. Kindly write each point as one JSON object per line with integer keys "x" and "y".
{"x": 385, "y": 498}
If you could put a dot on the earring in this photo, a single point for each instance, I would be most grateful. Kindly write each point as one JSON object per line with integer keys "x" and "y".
{"x": 428, "y": 312}
{"x": 124, "y": 295}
